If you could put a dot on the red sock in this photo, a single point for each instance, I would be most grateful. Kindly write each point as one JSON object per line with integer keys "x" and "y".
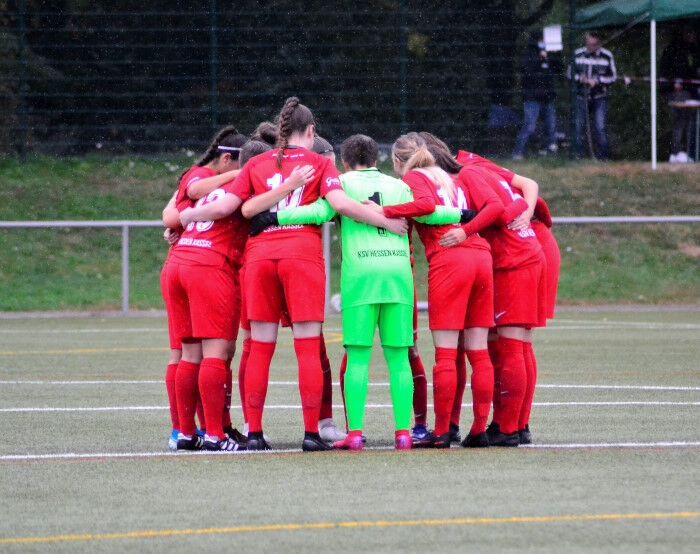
{"x": 420, "y": 389}
{"x": 495, "y": 355}
{"x": 461, "y": 385}
{"x": 444, "y": 384}
{"x": 226, "y": 416}
{"x": 341, "y": 370}
{"x": 187, "y": 395}
{"x": 212, "y": 387}
{"x": 310, "y": 380}
{"x": 170, "y": 373}
{"x": 482, "y": 388}
{"x": 200, "y": 412}
{"x": 256, "y": 377}
{"x": 327, "y": 398}
{"x": 531, "y": 371}
{"x": 245, "y": 352}
{"x": 513, "y": 383}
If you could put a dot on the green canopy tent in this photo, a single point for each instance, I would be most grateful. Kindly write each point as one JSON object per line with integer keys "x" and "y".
{"x": 629, "y": 12}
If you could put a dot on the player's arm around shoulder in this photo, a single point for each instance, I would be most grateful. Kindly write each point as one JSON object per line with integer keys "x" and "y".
{"x": 316, "y": 213}
{"x": 348, "y": 207}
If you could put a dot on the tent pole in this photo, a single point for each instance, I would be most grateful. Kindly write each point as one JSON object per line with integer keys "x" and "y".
{"x": 652, "y": 35}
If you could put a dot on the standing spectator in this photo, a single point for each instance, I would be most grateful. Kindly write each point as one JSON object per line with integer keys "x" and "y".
{"x": 679, "y": 66}
{"x": 594, "y": 70}
{"x": 538, "y": 73}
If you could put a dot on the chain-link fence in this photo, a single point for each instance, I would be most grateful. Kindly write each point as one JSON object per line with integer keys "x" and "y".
{"x": 160, "y": 76}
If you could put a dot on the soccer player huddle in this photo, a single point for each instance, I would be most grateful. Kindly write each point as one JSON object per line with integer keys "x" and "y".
{"x": 246, "y": 254}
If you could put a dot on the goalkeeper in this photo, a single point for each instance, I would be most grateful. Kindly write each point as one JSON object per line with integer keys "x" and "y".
{"x": 376, "y": 286}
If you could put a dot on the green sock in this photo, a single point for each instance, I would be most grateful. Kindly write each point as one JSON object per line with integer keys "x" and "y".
{"x": 356, "y": 384}
{"x": 401, "y": 383}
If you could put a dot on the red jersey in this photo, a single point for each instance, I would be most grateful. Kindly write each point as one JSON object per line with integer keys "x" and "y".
{"x": 259, "y": 175}
{"x": 505, "y": 176}
{"x": 510, "y": 249}
{"x": 427, "y": 195}
{"x": 195, "y": 173}
{"x": 482, "y": 198}
{"x": 211, "y": 243}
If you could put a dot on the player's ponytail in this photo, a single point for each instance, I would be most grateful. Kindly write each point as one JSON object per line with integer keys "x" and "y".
{"x": 406, "y": 146}
{"x": 441, "y": 153}
{"x": 266, "y": 132}
{"x": 412, "y": 151}
{"x": 294, "y": 118}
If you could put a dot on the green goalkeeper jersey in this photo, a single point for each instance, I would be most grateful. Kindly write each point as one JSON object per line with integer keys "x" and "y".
{"x": 376, "y": 264}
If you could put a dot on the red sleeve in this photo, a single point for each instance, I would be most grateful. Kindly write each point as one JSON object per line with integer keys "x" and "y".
{"x": 512, "y": 210}
{"x": 330, "y": 177}
{"x": 482, "y": 198}
{"x": 242, "y": 186}
{"x": 542, "y": 212}
{"x": 423, "y": 197}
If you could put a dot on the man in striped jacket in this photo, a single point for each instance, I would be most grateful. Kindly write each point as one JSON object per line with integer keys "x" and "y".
{"x": 593, "y": 71}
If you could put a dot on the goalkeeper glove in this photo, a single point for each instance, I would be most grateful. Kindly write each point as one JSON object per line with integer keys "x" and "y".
{"x": 467, "y": 216}
{"x": 262, "y": 221}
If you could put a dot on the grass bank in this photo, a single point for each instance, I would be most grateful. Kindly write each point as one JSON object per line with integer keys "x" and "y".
{"x": 79, "y": 269}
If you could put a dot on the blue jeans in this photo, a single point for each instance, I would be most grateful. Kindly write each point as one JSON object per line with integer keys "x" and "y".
{"x": 593, "y": 110}
{"x": 531, "y": 111}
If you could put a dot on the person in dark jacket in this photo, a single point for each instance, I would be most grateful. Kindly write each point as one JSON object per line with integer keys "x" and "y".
{"x": 680, "y": 69}
{"x": 538, "y": 73}
{"x": 594, "y": 71}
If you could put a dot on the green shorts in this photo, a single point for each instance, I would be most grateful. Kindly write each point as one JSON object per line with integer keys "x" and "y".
{"x": 395, "y": 323}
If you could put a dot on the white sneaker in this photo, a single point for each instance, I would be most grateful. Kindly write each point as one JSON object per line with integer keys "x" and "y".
{"x": 329, "y": 432}
{"x": 682, "y": 158}
{"x": 672, "y": 159}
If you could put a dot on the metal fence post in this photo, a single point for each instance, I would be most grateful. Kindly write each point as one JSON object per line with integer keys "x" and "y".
{"x": 125, "y": 269}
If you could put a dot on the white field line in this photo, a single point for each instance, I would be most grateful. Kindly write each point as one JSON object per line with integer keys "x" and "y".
{"x": 163, "y": 454}
{"x": 382, "y": 384}
{"x": 566, "y": 323}
{"x": 83, "y": 409}
{"x": 81, "y": 331}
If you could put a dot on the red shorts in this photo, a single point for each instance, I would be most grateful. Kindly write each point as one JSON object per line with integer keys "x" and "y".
{"x": 520, "y": 296}
{"x": 295, "y": 285}
{"x": 174, "y": 340}
{"x": 553, "y": 257}
{"x": 245, "y": 322}
{"x": 460, "y": 289}
{"x": 202, "y": 301}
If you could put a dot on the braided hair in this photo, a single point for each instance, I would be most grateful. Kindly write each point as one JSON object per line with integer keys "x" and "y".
{"x": 294, "y": 118}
